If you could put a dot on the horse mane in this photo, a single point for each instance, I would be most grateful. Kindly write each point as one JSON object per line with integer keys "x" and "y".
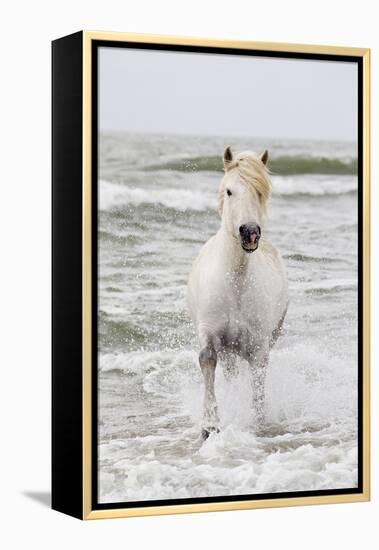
{"x": 253, "y": 172}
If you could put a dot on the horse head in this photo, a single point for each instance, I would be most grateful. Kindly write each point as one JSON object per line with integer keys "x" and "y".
{"x": 243, "y": 195}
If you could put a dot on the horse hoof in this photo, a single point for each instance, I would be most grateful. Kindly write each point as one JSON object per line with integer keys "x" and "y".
{"x": 206, "y": 432}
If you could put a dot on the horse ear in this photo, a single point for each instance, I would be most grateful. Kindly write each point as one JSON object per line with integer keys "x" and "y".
{"x": 228, "y": 157}
{"x": 264, "y": 156}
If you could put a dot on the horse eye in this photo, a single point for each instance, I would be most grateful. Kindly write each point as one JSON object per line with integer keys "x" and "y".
{"x": 229, "y": 192}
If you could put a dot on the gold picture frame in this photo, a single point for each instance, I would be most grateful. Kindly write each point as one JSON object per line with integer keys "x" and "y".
{"x": 81, "y": 467}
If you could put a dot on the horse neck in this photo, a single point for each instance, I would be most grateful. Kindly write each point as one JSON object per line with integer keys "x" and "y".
{"x": 235, "y": 260}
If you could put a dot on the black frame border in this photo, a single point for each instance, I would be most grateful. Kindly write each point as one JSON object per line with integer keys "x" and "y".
{"x": 95, "y": 45}
{"x": 67, "y": 253}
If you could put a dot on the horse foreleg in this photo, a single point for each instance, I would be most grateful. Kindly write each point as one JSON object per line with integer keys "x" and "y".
{"x": 258, "y": 369}
{"x": 230, "y": 367}
{"x": 208, "y": 362}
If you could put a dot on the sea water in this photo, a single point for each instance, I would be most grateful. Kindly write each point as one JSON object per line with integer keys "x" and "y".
{"x": 157, "y": 207}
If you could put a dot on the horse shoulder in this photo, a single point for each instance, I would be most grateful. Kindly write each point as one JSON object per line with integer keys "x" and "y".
{"x": 271, "y": 256}
{"x": 206, "y": 295}
{"x": 271, "y": 277}
{"x": 201, "y": 267}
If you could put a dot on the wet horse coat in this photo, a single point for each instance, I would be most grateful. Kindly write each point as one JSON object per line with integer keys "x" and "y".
{"x": 237, "y": 289}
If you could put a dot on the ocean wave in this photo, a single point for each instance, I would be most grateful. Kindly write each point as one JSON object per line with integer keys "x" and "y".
{"x": 316, "y": 186}
{"x": 134, "y": 363}
{"x": 119, "y": 332}
{"x": 108, "y": 236}
{"x": 284, "y": 165}
{"x": 114, "y": 196}
{"x": 311, "y": 259}
{"x": 171, "y": 329}
{"x": 329, "y": 286}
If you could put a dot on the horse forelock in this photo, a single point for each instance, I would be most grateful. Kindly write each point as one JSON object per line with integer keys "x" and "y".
{"x": 253, "y": 173}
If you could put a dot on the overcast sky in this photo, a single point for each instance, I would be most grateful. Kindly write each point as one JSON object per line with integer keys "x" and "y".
{"x": 193, "y": 93}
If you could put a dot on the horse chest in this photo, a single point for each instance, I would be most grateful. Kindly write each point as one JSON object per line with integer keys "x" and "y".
{"x": 245, "y": 300}
{"x": 244, "y": 316}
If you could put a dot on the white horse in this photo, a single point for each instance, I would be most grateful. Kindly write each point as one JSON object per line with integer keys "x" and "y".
{"x": 237, "y": 289}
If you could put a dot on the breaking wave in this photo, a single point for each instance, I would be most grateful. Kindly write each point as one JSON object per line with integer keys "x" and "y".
{"x": 284, "y": 165}
{"x": 115, "y": 195}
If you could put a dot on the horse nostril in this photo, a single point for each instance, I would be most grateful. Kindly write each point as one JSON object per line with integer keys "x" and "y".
{"x": 248, "y": 229}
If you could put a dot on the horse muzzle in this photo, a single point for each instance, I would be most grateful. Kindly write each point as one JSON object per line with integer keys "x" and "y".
{"x": 250, "y": 233}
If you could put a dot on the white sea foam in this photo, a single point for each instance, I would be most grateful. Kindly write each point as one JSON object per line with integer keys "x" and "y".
{"x": 304, "y": 383}
{"x": 117, "y": 195}
{"x": 217, "y": 469}
{"x": 316, "y": 185}
{"x": 114, "y": 195}
{"x": 310, "y": 408}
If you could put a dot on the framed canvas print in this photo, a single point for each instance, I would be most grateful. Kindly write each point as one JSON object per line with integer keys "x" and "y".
{"x": 210, "y": 275}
